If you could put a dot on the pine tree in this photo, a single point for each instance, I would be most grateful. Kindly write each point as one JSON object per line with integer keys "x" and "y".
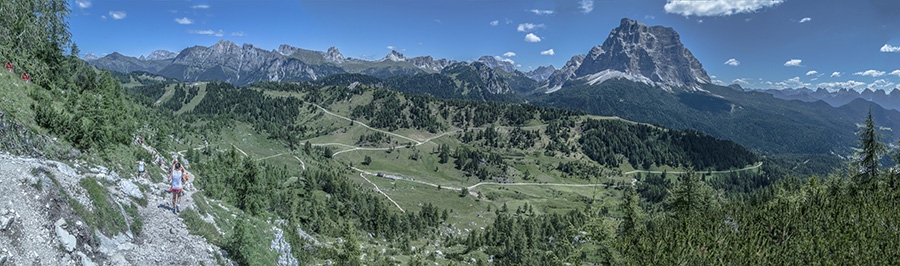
{"x": 872, "y": 150}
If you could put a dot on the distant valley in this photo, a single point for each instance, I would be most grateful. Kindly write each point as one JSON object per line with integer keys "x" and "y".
{"x": 639, "y": 72}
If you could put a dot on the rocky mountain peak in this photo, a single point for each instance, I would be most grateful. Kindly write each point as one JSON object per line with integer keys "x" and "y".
{"x": 566, "y": 73}
{"x": 394, "y": 56}
{"x": 287, "y": 50}
{"x": 224, "y": 46}
{"x": 427, "y": 62}
{"x": 496, "y": 61}
{"x": 161, "y": 55}
{"x": 649, "y": 54}
{"x": 90, "y": 57}
{"x": 333, "y": 55}
{"x": 541, "y": 73}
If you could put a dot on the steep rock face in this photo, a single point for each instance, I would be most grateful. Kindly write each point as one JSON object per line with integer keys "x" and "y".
{"x": 478, "y": 76}
{"x": 496, "y": 61}
{"x": 334, "y": 56}
{"x": 245, "y": 64}
{"x": 493, "y": 82}
{"x": 394, "y": 56}
{"x": 653, "y": 55}
{"x": 428, "y": 63}
{"x": 541, "y": 73}
{"x": 566, "y": 73}
{"x": 161, "y": 55}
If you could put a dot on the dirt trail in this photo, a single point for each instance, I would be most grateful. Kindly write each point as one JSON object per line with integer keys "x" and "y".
{"x": 33, "y": 237}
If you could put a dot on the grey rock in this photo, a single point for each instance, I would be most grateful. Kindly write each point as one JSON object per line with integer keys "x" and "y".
{"x": 566, "y": 73}
{"x": 161, "y": 55}
{"x": 394, "y": 56}
{"x": 496, "y": 61}
{"x": 541, "y": 73}
{"x": 67, "y": 240}
{"x": 283, "y": 248}
{"x": 60, "y": 223}
{"x": 85, "y": 260}
{"x": 647, "y": 54}
{"x": 333, "y": 55}
{"x": 428, "y": 63}
{"x": 130, "y": 189}
{"x": 5, "y": 222}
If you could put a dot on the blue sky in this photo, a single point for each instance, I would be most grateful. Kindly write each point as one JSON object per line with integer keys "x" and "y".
{"x": 755, "y": 43}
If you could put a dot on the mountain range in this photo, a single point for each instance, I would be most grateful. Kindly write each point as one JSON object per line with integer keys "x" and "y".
{"x": 639, "y": 72}
{"x": 840, "y": 97}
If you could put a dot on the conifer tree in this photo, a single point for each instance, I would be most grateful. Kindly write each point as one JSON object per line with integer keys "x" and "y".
{"x": 871, "y": 151}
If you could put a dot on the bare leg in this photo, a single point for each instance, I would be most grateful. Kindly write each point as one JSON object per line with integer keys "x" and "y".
{"x": 174, "y": 196}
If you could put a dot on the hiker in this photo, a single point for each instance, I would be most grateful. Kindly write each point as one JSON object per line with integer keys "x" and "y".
{"x": 9, "y": 67}
{"x": 176, "y": 179}
{"x": 26, "y": 77}
{"x": 140, "y": 168}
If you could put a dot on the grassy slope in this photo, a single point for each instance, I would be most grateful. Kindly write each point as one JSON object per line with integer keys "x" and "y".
{"x": 15, "y": 100}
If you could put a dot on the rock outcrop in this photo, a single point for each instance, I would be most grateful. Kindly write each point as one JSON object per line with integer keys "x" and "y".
{"x": 496, "y": 61}
{"x": 541, "y": 73}
{"x": 653, "y": 55}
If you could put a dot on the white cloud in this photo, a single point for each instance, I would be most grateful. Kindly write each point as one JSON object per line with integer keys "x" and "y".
{"x": 391, "y": 47}
{"x": 540, "y": 12}
{"x": 793, "y": 62}
{"x": 495, "y": 22}
{"x": 103, "y": 17}
{"x": 239, "y": 34}
{"x": 881, "y": 84}
{"x": 547, "y": 52}
{"x": 200, "y": 7}
{"x": 83, "y": 3}
{"x": 850, "y": 84}
{"x": 501, "y": 59}
{"x": 518, "y": 65}
{"x": 202, "y": 32}
{"x": 219, "y": 33}
{"x": 812, "y": 72}
{"x": 835, "y": 74}
{"x": 806, "y": 19}
{"x": 887, "y": 48}
{"x": 732, "y": 62}
{"x": 117, "y": 15}
{"x": 528, "y": 26}
{"x": 792, "y": 83}
{"x": 184, "y": 21}
{"x": 716, "y": 7}
{"x": 741, "y": 80}
{"x": 509, "y": 54}
{"x": 586, "y": 6}
{"x": 895, "y": 72}
{"x": 532, "y": 38}
{"x": 871, "y": 73}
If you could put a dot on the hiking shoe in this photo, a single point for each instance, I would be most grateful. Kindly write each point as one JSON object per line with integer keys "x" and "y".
{"x": 177, "y": 208}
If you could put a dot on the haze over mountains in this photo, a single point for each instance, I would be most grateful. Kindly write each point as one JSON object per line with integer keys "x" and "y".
{"x": 655, "y": 79}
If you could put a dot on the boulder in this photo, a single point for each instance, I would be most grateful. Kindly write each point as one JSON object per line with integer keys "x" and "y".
{"x": 130, "y": 189}
{"x": 67, "y": 240}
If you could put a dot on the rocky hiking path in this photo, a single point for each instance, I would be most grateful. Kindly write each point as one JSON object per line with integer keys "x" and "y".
{"x": 38, "y": 226}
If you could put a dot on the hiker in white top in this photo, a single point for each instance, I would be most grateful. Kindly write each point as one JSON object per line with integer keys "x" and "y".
{"x": 140, "y": 168}
{"x": 176, "y": 177}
